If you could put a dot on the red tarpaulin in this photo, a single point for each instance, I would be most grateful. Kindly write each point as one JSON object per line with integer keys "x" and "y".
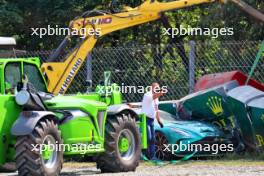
{"x": 212, "y": 80}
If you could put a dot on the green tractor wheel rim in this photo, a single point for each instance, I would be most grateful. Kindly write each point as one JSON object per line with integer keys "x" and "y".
{"x": 123, "y": 145}
{"x": 126, "y": 144}
{"x": 46, "y": 153}
{"x": 49, "y": 153}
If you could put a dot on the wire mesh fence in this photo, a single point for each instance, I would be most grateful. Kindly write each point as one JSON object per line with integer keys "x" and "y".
{"x": 139, "y": 66}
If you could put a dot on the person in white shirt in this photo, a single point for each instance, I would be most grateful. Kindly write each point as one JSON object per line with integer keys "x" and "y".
{"x": 150, "y": 104}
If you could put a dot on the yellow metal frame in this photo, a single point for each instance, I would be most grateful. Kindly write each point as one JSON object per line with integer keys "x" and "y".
{"x": 61, "y": 74}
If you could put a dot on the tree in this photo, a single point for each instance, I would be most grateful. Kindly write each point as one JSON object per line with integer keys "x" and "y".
{"x": 250, "y": 10}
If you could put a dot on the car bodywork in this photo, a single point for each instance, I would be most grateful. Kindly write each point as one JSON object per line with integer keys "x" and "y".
{"x": 178, "y": 132}
{"x": 180, "y": 138}
{"x": 237, "y": 111}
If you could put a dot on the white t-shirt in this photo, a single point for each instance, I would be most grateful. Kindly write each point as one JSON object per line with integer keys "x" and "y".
{"x": 148, "y": 105}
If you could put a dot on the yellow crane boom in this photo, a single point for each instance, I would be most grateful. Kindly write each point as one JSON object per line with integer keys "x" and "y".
{"x": 61, "y": 74}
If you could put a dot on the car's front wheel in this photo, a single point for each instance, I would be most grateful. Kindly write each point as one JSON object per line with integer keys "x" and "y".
{"x": 160, "y": 147}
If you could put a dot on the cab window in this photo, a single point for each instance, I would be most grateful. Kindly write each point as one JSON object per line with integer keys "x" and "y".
{"x": 34, "y": 77}
{"x": 12, "y": 77}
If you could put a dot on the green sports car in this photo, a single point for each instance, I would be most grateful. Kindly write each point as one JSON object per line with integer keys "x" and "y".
{"x": 180, "y": 138}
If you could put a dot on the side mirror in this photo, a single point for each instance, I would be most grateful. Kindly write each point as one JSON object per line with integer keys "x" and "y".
{"x": 23, "y": 84}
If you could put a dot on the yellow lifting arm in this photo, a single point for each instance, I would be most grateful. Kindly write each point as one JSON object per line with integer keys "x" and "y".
{"x": 60, "y": 74}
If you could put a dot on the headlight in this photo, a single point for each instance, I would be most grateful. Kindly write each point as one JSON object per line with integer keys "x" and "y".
{"x": 22, "y": 97}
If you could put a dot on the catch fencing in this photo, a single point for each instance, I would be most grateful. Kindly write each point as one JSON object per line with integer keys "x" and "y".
{"x": 176, "y": 66}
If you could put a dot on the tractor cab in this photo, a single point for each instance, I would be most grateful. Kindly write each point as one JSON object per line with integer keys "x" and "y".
{"x": 12, "y": 68}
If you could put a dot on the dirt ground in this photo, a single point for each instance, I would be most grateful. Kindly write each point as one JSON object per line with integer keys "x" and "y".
{"x": 187, "y": 168}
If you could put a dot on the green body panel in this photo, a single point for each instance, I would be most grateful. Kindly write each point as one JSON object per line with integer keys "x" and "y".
{"x": 85, "y": 133}
{"x": 85, "y": 128}
{"x": 2, "y": 78}
{"x": 258, "y": 125}
{"x": 81, "y": 130}
{"x": 9, "y": 113}
{"x": 109, "y": 94}
{"x": 73, "y": 102}
{"x": 91, "y": 96}
{"x": 116, "y": 97}
{"x": 169, "y": 107}
{"x": 248, "y": 106}
{"x": 210, "y": 105}
{"x": 143, "y": 130}
{"x": 256, "y": 109}
{"x": 243, "y": 120}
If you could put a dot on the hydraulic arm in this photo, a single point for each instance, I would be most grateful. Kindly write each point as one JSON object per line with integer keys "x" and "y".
{"x": 60, "y": 74}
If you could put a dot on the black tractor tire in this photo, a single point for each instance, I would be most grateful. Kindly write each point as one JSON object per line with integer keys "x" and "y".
{"x": 112, "y": 160}
{"x": 29, "y": 161}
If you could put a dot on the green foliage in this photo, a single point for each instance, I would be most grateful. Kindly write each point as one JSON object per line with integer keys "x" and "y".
{"x": 18, "y": 17}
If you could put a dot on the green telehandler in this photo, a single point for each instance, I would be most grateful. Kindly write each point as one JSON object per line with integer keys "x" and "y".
{"x": 38, "y": 129}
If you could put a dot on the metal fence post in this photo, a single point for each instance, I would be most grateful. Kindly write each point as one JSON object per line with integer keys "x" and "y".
{"x": 192, "y": 55}
{"x": 89, "y": 75}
